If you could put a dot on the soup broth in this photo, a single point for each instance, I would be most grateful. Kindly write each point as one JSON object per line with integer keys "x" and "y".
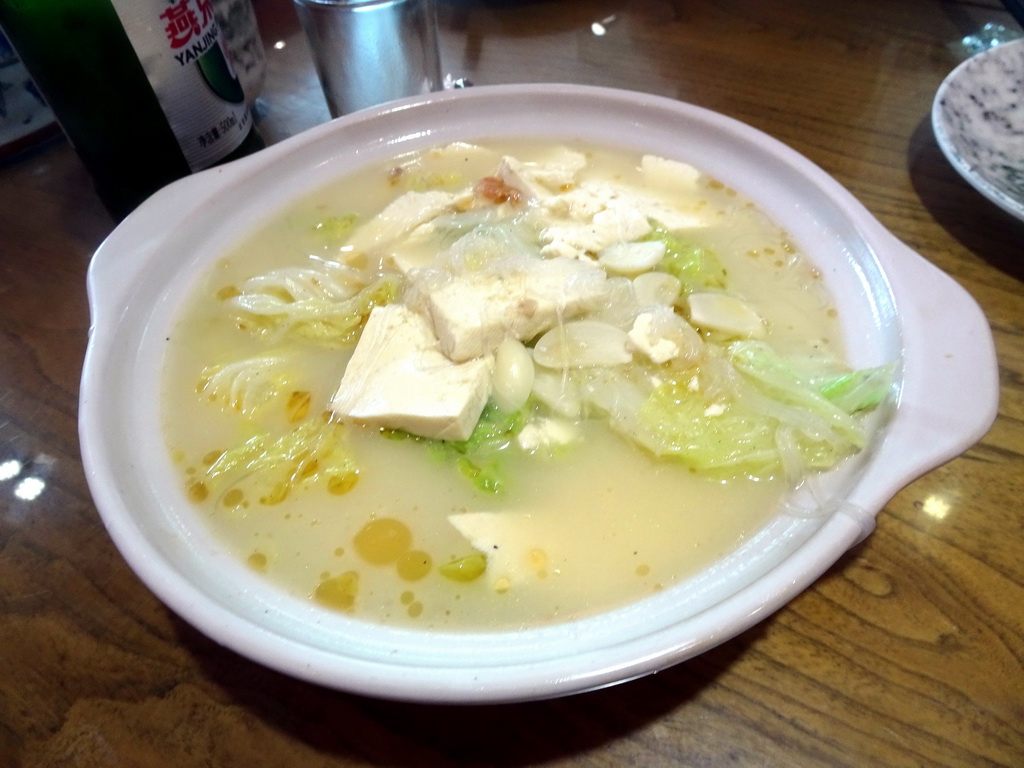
{"x": 400, "y": 535}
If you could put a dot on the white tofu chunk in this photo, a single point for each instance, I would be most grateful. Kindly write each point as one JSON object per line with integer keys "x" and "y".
{"x": 473, "y": 313}
{"x": 726, "y": 314}
{"x": 540, "y": 181}
{"x": 459, "y": 150}
{"x": 582, "y": 202}
{"x": 402, "y": 216}
{"x": 398, "y": 378}
{"x": 662, "y": 335}
{"x": 547, "y": 434}
{"x": 596, "y": 215}
{"x": 615, "y": 223}
{"x": 512, "y": 541}
{"x": 666, "y": 175}
{"x": 642, "y": 337}
{"x": 518, "y": 176}
{"x": 562, "y": 163}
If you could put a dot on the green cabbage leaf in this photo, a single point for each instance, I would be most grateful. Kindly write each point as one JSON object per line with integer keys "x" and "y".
{"x": 697, "y": 268}
{"x": 479, "y": 457}
{"x": 763, "y": 414}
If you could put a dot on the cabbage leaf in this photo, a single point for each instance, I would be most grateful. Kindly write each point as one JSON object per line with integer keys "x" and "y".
{"x": 246, "y": 385}
{"x": 479, "y": 456}
{"x": 765, "y": 415}
{"x": 697, "y": 268}
{"x": 313, "y": 450}
{"x": 309, "y": 305}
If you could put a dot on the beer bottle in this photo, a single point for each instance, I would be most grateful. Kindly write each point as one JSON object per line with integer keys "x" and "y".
{"x": 142, "y": 88}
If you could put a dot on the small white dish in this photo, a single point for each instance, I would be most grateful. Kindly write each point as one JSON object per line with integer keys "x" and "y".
{"x": 978, "y": 118}
{"x": 894, "y": 306}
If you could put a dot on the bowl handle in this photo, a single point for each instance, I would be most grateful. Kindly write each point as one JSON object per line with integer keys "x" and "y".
{"x": 950, "y": 379}
{"x": 124, "y": 254}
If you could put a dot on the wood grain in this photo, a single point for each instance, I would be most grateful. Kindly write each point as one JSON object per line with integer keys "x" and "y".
{"x": 908, "y": 652}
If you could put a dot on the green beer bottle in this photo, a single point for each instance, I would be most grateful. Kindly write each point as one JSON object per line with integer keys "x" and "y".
{"x": 142, "y": 88}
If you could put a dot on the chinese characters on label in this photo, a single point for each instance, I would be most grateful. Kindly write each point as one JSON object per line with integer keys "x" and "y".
{"x": 186, "y": 20}
{"x": 213, "y": 134}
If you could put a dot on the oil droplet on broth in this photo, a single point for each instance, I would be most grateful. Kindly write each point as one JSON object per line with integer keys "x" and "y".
{"x": 538, "y": 560}
{"x": 257, "y": 561}
{"x": 339, "y": 592}
{"x": 466, "y": 568}
{"x": 197, "y": 491}
{"x": 234, "y": 498}
{"x": 278, "y": 493}
{"x": 211, "y": 457}
{"x": 414, "y": 565}
{"x": 339, "y": 485}
{"x": 297, "y": 406}
{"x": 383, "y": 541}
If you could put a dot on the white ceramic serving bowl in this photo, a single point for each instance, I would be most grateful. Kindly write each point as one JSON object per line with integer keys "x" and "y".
{"x": 978, "y": 119}
{"x": 894, "y": 306}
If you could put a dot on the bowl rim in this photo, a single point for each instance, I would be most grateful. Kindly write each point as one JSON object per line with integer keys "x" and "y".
{"x": 113, "y": 284}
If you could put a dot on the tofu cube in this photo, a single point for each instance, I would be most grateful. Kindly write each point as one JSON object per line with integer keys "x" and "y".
{"x": 399, "y": 378}
{"x": 474, "y": 312}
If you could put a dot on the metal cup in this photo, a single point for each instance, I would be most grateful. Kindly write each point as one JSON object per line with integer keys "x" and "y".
{"x": 368, "y": 52}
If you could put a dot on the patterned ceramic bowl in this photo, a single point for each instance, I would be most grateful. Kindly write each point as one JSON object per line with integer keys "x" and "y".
{"x": 978, "y": 118}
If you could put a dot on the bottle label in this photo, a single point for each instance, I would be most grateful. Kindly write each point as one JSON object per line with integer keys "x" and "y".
{"x": 178, "y": 43}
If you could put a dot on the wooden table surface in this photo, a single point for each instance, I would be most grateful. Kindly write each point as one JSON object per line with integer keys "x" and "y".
{"x": 908, "y": 652}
